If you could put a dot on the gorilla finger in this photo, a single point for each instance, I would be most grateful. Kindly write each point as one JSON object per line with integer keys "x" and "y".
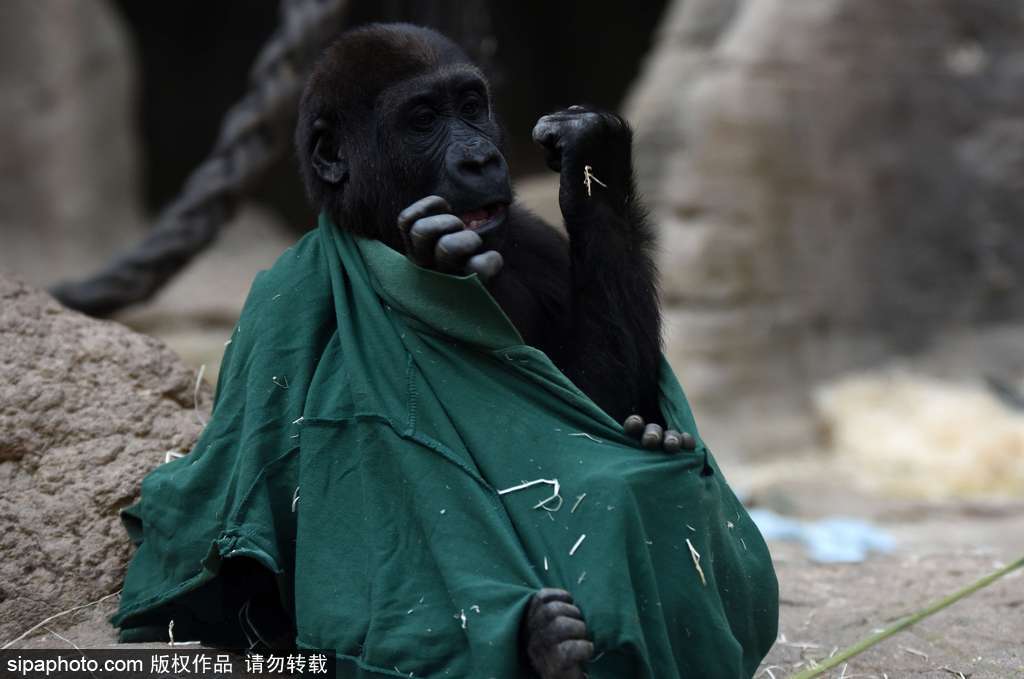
{"x": 485, "y": 265}
{"x": 425, "y": 232}
{"x": 570, "y": 119}
{"x": 548, "y": 649}
{"x": 548, "y": 134}
{"x": 633, "y": 425}
{"x": 652, "y": 437}
{"x": 544, "y": 641}
{"x": 564, "y": 629}
{"x": 612, "y": 120}
{"x": 673, "y": 442}
{"x": 424, "y": 207}
{"x": 452, "y": 250}
{"x": 574, "y": 652}
{"x": 545, "y": 132}
{"x": 545, "y": 613}
{"x": 549, "y": 594}
{"x": 545, "y": 597}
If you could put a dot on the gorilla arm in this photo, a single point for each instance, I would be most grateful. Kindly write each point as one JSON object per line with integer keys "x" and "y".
{"x": 615, "y": 319}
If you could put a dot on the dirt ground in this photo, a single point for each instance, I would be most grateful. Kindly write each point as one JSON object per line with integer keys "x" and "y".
{"x": 827, "y": 607}
{"x": 941, "y": 547}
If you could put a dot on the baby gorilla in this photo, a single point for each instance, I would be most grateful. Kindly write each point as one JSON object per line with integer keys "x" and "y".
{"x": 398, "y": 141}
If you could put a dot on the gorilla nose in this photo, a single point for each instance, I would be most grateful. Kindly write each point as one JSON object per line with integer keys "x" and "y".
{"x": 478, "y": 159}
{"x": 477, "y": 172}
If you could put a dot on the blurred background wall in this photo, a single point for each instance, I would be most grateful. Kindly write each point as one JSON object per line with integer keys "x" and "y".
{"x": 70, "y": 159}
{"x": 837, "y": 183}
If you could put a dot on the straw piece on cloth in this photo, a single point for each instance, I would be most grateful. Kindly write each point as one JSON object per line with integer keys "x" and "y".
{"x": 368, "y": 413}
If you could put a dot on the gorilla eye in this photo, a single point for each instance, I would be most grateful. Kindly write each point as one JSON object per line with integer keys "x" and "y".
{"x": 423, "y": 119}
{"x": 472, "y": 107}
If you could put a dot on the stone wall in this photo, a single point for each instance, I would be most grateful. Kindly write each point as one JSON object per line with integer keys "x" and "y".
{"x": 68, "y": 171}
{"x": 836, "y": 181}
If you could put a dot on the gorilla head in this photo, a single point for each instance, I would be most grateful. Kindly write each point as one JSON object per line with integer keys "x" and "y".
{"x": 392, "y": 113}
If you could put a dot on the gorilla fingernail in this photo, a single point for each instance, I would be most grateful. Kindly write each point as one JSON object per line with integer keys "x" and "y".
{"x": 673, "y": 443}
{"x": 633, "y": 425}
{"x": 652, "y": 437}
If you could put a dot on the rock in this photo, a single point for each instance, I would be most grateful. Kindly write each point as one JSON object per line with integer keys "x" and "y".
{"x": 69, "y": 168}
{"x": 87, "y": 408}
{"x": 839, "y": 179}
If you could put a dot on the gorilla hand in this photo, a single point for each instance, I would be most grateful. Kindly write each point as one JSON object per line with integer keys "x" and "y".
{"x": 556, "y": 636}
{"x": 652, "y": 437}
{"x": 592, "y": 151}
{"x": 436, "y": 239}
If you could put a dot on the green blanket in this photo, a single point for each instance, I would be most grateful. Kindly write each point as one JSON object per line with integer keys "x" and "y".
{"x": 367, "y": 415}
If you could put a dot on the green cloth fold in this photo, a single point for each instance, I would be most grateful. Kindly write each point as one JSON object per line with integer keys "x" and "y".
{"x": 367, "y": 415}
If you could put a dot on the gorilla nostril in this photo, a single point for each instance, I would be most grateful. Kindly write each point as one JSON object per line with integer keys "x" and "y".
{"x": 476, "y": 162}
{"x": 471, "y": 165}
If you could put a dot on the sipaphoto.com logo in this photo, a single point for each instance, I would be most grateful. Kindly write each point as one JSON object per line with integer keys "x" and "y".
{"x": 61, "y": 665}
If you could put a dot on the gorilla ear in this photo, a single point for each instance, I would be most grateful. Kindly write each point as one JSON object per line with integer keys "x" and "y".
{"x": 326, "y": 158}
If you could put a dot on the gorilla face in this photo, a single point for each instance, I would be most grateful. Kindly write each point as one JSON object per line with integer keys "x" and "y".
{"x": 441, "y": 138}
{"x": 393, "y": 113}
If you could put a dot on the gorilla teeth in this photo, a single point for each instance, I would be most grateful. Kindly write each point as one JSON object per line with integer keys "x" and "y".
{"x": 475, "y": 216}
{"x": 474, "y": 219}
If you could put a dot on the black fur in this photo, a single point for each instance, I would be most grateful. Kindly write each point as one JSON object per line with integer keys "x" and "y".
{"x": 589, "y": 303}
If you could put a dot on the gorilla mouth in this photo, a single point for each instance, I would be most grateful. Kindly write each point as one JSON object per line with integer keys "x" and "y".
{"x": 485, "y": 218}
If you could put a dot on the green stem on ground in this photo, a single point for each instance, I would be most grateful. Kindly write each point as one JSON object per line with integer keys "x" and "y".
{"x": 903, "y": 623}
